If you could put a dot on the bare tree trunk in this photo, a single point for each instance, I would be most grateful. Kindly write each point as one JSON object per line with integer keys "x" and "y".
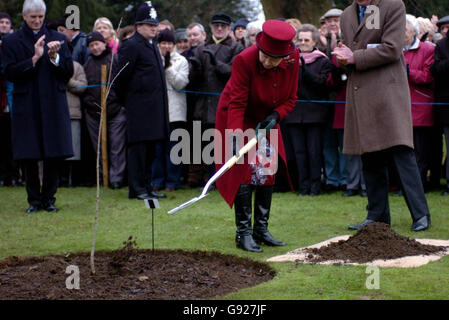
{"x": 101, "y": 132}
{"x": 105, "y": 89}
{"x": 308, "y": 11}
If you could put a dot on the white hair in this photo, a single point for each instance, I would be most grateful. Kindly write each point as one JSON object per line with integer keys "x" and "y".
{"x": 253, "y": 25}
{"x": 413, "y": 23}
{"x": 107, "y": 22}
{"x": 34, "y": 5}
{"x": 425, "y": 25}
{"x": 196, "y": 24}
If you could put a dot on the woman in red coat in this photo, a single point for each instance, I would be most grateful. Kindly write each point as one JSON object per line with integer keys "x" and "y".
{"x": 262, "y": 87}
{"x": 419, "y": 57}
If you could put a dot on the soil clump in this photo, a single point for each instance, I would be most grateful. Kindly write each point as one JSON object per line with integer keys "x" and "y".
{"x": 372, "y": 242}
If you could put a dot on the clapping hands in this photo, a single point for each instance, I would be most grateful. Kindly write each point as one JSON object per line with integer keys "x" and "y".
{"x": 53, "y": 48}
{"x": 344, "y": 55}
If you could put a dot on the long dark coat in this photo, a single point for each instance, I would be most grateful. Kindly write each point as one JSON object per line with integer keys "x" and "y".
{"x": 143, "y": 89}
{"x": 440, "y": 71}
{"x": 378, "y": 113}
{"x": 212, "y": 78}
{"x": 80, "y": 52}
{"x": 92, "y": 95}
{"x": 312, "y": 86}
{"x": 40, "y": 117}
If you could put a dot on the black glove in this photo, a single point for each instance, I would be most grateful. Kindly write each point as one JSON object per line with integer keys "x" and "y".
{"x": 408, "y": 70}
{"x": 195, "y": 62}
{"x": 213, "y": 60}
{"x": 263, "y": 124}
{"x": 167, "y": 60}
{"x": 234, "y": 150}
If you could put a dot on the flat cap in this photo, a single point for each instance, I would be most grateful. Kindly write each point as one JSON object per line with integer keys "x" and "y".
{"x": 444, "y": 20}
{"x": 334, "y": 12}
{"x": 221, "y": 18}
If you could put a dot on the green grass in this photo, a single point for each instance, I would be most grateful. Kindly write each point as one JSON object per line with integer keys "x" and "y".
{"x": 209, "y": 225}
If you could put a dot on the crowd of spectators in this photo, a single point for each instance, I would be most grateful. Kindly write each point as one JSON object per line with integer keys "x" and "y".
{"x": 195, "y": 67}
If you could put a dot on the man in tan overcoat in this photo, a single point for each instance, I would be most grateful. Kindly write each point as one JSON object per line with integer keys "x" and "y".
{"x": 378, "y": 121}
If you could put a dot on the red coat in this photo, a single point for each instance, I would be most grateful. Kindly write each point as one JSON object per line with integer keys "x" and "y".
{"x": 420, "y": 59}
{"x": 251, "y": 94}
{"x": 340, "y": 109}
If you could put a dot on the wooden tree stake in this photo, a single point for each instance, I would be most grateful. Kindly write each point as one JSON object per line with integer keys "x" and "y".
{"x": 104, "y": 130}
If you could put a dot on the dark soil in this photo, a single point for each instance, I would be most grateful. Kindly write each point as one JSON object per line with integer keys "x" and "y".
{"x": 131, "y": 273}
{"x": 372, "y": 242}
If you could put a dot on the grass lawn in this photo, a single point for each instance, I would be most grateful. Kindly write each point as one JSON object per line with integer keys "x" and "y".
{"x": 209, "y": 225}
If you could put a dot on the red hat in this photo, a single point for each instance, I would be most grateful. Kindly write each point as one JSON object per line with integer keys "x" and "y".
{"x": 276, "y": 38}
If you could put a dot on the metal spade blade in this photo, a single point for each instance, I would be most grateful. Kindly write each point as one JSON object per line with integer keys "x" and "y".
{"x": 186, "y": 204}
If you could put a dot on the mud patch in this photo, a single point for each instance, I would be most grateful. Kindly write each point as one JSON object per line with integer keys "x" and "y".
{"x": 130, "y": 274}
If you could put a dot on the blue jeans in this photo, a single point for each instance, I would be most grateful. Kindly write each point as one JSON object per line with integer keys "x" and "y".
{"x": 164, "y": 172}
{"x": 334, "y": 160}
{"x": 354, "y": 169}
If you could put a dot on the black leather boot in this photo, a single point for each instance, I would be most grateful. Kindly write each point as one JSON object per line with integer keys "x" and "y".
{"x": 243, "y": 212}
{"x": 262, "y": 205}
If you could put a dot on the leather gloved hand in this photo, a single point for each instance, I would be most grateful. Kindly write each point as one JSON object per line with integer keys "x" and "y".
{"x": 167, "y": 60}
{"x": 234, "y": 148}
{"x": 213, "y": 59}
{"x": 263, "y": 124}
{"x": 195, "y": 62}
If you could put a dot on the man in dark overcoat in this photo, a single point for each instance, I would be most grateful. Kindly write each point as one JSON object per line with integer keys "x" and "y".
{"x": 142, "y": 86}
{"x": 39, "y": 63}
{"x": 211, "y": 67}
{"x": 378, "y": 121}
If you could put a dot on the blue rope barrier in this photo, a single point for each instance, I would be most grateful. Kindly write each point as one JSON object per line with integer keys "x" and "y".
{"x": 198, "y": 92}
{"x": 92, "y": 86}
{"x": 299, "y": 101}
{"x": 308, "y": 101}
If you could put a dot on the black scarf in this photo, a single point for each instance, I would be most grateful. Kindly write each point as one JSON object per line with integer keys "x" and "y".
{"x": 34, "y": 36}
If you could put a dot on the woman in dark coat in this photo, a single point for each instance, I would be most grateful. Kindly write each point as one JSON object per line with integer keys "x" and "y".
{"x": 262, "y": 87}
{"x": 440, "y": 71}
{"x": 305, "y": 124}
{"x": 39, "y": 63}
{"x": 101, "y": 54}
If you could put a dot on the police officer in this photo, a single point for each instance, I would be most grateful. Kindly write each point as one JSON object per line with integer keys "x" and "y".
{"x": 142, "y": 86}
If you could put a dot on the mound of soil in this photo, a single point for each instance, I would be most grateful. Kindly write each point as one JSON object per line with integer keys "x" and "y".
{"x": 129, "y": 274}
{"x": 372, "y": 242}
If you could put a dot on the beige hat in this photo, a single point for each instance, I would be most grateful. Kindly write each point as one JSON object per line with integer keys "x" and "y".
{"x": 333, "y": 13}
